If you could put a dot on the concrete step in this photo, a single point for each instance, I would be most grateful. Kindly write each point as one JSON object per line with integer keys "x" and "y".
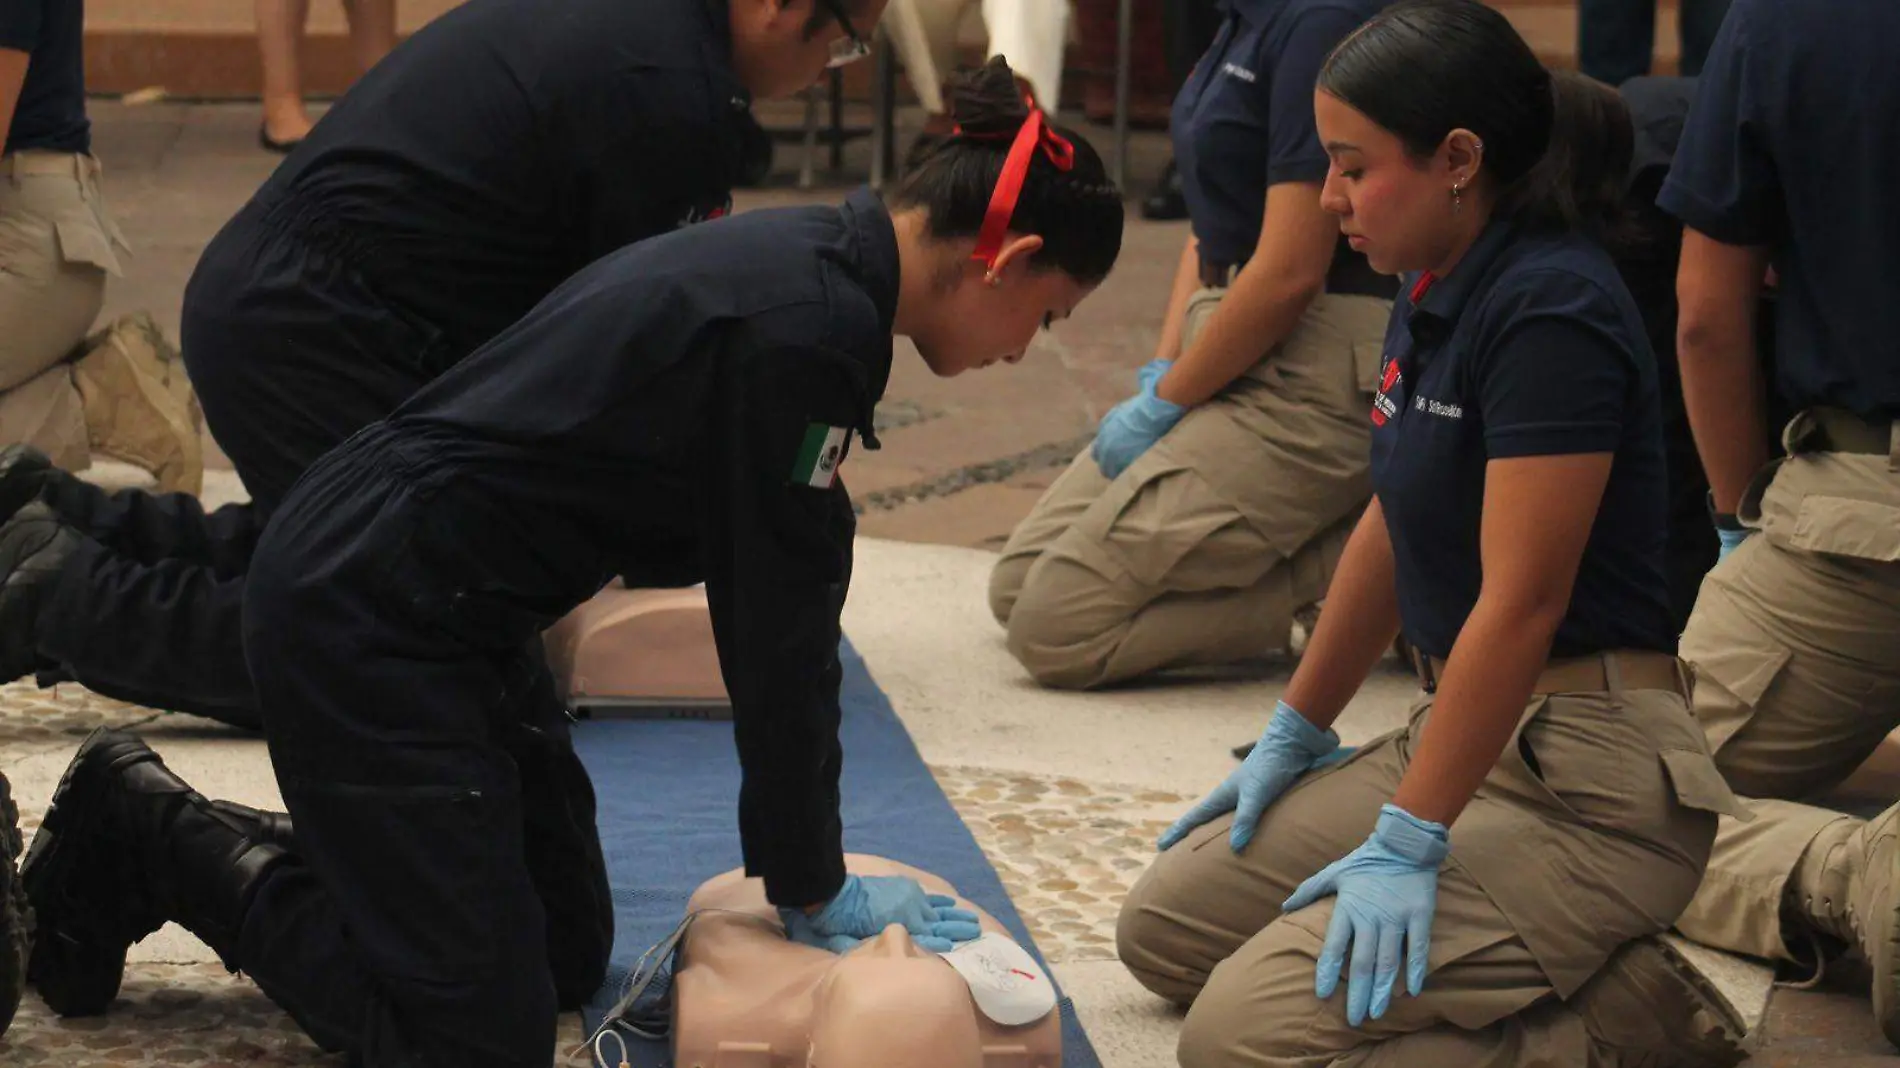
{"x": 207, "y": 49}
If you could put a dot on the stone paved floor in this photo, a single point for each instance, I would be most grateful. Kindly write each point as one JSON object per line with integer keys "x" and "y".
{"x": 963, "y": 460}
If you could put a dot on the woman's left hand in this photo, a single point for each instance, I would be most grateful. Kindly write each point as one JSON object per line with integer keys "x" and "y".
{"x": 1133, "y": 426}
{"x": 1387, "y": 891}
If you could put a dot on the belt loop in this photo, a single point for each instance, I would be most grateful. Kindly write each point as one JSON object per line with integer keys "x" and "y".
{"x": 1893, "y": 446}
{"x": 1422, "y": 665}
{"x": 1612, "y": 674}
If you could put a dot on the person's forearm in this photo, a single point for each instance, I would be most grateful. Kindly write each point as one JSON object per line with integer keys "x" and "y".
{"x": 1718, "y": 289}
{"x": 1356, "y": 628}
{"x": 1259, "y": 310}
{"x": 1187, "y": 279}
{"x": 13, "y": 63}
{"x": 1486, "y": 684}
{"x": 1723, "y": 389}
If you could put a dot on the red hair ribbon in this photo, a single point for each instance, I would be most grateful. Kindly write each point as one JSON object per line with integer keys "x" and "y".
{"x": 1034, "y": 134}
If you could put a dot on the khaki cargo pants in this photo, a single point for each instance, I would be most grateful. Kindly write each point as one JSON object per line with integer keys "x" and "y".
{"x": 1551, "y": 870}
{"x": 56, "y": 247}
{"x": 1795, "y": 642}
{"x": 122, "y": 391}
{"x": 1203, "y": 550}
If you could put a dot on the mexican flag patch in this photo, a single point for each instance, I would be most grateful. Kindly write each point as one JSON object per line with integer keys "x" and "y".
{"x": 818, "y": 456}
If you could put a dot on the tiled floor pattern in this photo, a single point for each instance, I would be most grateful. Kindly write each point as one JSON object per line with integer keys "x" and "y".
{"x": 1067, "y": 850}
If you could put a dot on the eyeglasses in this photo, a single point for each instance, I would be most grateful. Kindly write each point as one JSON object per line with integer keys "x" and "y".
{"x": 851, "y": 47}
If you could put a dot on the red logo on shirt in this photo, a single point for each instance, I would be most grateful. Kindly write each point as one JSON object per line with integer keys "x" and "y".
{"x": 700, "y": 214}
{"x": 1382, "y": 407}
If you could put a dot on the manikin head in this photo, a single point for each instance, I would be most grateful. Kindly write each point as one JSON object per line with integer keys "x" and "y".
{"x": 888, "y": 1003}
{"x": 782, "y": 46}
{"x": 1439, "y": 118}
{"x": 966, "y": 302}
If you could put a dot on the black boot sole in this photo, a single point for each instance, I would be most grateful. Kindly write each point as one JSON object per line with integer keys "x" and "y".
{"x": 75, "y": 976}
{"x": 24, "y": 471}
{"x": 16, "y": 916}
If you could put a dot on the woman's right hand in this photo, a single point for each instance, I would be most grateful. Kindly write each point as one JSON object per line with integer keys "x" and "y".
{"x": 1286, "y": 750}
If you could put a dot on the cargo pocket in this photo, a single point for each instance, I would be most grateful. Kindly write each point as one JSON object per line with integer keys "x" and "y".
{"x": 1698, "y": 785}
{"x": 83, "y": 241}
{"x": 416, "y": 864}
{"x": 1171, "y": 530}
{"x": 1843, "y": 526}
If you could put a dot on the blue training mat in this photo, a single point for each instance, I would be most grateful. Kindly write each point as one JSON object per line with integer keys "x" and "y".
{"x": 668, "y": 812}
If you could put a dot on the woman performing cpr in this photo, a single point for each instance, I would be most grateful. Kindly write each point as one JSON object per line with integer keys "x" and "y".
{"x": 674, "y": 413}
{"x": 1505, "y": 859}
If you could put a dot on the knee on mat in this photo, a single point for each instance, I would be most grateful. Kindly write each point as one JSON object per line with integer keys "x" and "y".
{"x": 579, "y": 972}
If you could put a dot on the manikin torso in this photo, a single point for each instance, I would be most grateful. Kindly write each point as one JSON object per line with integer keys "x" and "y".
{"x": 746, "y": 997}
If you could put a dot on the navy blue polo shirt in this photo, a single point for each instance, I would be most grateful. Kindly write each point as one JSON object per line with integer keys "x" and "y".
{"x": 1243, "y": 121}
{"x": 1530, "y": 347}
{"x": 51, "y": 113}
{"x": 509, "y": 143}
{"x": 1793, "y": 144}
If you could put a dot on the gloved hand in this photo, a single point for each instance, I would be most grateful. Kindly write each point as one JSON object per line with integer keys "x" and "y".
{"x": 1150, "y": 374}
{"x": 1730, "y": 539}
{"x": 865, "y": 905}
{"x": 1289, "y": 746}
{"x": 1387, "y": 890}
{"x": 1131, "y": 427}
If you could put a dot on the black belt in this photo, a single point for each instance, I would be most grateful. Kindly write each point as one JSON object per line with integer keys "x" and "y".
{"x": 1847, "y": 432}
{"x": 1350, "y": 281}
{"x": 1219, "y": 275}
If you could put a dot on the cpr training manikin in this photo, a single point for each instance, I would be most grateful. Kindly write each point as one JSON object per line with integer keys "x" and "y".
{"x": 745, "y": 996}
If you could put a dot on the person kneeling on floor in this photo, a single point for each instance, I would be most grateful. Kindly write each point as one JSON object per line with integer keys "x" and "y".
{"x": 678, "y": 409}
{"x": 1208, "y": 515}
{"x": 1487, "y": 881}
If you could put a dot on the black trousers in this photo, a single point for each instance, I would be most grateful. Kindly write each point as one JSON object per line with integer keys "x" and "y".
{"x": 418, "y": 925}
{"x": 291, "y": 353}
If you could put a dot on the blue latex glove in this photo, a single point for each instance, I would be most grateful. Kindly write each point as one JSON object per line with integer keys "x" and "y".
{"x": 1150, "y": 374}
{"x": 1730, "y": 539}
{"x": 865, "y": 905}
{"x": 1133, "y": 426}
{"x": 1387, "y": 891}
{"x": 1289, "y": 746}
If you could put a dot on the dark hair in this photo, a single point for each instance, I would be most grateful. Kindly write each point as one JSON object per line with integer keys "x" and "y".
{"x": 1078, "y": 213}
{"x": 824, "y": 16}
{"x": 1556, "y": 146}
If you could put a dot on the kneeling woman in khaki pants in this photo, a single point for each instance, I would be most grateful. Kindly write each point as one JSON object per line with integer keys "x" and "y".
{"x": 56, "y": 241}
{"x": 1480, "y": 888}
{"x": 1213, "y": 504}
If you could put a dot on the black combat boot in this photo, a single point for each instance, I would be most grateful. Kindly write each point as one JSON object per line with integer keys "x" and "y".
{"x": 24, "y": 472}
{"x": 271, "y": 828}
{"x": 16, "y": 918}
{"x": 34, "y": 546}
{"x": 1168, "y": 201}
{"x": 125, "y": 847}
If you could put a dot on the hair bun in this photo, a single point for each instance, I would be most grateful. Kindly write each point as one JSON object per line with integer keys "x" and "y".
{"x": 986, "y": 101}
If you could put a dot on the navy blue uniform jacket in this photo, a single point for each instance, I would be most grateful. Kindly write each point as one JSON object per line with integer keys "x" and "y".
{"x": 654, "y": 418}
